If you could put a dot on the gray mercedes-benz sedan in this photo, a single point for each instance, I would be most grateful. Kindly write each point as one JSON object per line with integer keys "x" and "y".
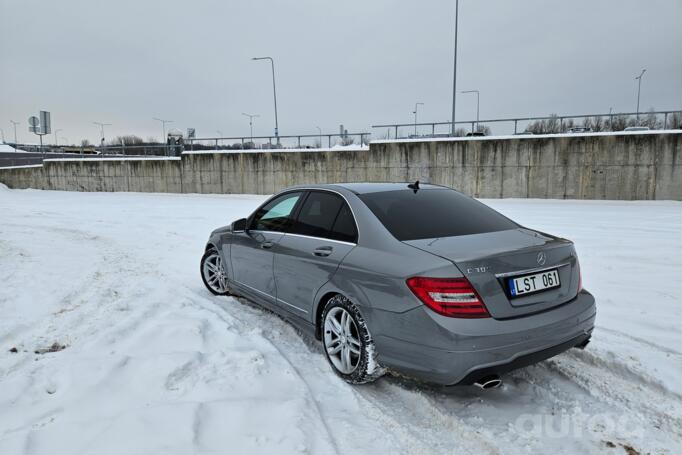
{"x": 418, "y": 279}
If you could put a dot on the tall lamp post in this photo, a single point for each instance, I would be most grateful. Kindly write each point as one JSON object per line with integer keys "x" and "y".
{"x": 416, "y": 107}
{"x": 274, "y": 92}
{"x": 163, "y": 126}
{"x": 454, "y": 73}
{"x": 101, "y": 129}
{"x": 15, "y": 130}
{"x": 251, "y": 117}
{"x": 478, "y": 105}
{"x": 639, "y": 88}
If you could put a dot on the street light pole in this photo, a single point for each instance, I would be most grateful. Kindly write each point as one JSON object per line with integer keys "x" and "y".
{"x": 639, "y": 88}
{"x": 15, "y": 130}
{"x": 454, "y": 74}
{"x": 274, "y": 92}
{"x": 251, "y": 117}
{"x": 101, "y": 129}
{"x": 163, "y": 126}
{"x": 478, "y": 105}
{"x": 416, "y": 106}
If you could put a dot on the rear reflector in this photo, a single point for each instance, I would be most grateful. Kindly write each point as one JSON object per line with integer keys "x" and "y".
{"x": 453, "y": 297}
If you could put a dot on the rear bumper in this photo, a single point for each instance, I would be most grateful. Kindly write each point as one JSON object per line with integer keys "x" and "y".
{"x": 524, "y": 360}
{"x": 448, "y": 351}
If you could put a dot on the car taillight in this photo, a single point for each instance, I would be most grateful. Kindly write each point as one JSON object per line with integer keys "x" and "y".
{"x": 453, "y": 297}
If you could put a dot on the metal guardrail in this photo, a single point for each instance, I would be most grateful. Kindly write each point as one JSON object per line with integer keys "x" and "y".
{"x": 515, "y": 120}
{"x": 249, "y": 142}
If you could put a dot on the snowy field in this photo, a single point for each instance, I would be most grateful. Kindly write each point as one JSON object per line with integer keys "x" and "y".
{"x": 153, "y": 363}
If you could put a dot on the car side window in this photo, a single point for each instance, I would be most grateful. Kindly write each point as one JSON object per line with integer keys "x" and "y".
{"x": 276, "y": 215}
{"x": 325, "y": 215}
{"x": 317, "y": 214}
{"x": 344, "y": 228}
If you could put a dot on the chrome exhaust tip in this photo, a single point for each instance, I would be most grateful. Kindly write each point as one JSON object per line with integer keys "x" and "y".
{"x": 488, "y": 382}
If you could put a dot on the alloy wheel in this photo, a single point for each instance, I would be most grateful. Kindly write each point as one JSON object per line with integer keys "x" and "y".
{"x": 214, "y": 273}
{"x": 341, "y": 340}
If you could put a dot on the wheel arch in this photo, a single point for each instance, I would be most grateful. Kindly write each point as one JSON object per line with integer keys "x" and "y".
{"x": 319, "y": 309}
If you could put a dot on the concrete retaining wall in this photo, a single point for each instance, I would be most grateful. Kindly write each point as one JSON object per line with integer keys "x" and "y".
{"x": 597, "y": 166}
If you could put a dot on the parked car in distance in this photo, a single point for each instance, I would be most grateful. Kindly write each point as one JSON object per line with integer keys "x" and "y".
{"x": 579, "y": 129}
{"x": 414, "y": 278}
{"x": 475, "y": 133}
{"x": 637, "y": 128}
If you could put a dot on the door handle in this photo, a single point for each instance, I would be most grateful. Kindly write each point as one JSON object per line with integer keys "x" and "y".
{"x": 323, "y": 251}
{"x": 266, "y": 245}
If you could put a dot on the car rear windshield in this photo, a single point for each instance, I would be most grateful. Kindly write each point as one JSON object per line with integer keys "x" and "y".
{"x": 433, "y": 213}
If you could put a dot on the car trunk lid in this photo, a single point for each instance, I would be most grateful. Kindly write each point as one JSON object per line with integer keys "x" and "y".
{"x": 489, "y": 260}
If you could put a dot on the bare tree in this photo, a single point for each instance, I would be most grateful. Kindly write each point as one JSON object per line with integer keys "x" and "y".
{"x": 127, "y": 140}
{"x": 675, "y": 121}
{"x": 651, "y": 120}
{"x": 85, "y": 143}
{"x": 620, "y": 122}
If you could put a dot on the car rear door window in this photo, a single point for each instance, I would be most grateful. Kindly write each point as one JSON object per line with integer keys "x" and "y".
{"x": 344, "y": 228}
{"x": 317, "y": 214}
{"x": 433, "y": 213}
{"x": 276, "y": 215}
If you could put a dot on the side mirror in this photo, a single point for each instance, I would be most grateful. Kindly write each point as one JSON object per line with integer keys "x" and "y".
{"x": 239, "y": 225}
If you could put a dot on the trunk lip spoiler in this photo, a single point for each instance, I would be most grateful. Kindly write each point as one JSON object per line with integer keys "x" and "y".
{"x": 527, "y": 271}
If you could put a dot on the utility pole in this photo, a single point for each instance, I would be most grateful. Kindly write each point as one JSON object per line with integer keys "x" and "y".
{"x": 163, "y": 126}
{"x": 639, "y": 88}
{"x": 251, "y": 117}
{"x": 478, "y": 105}
{"x": 274, "y": 93}
{"x": 15, "y": 130}
{"x": 416, "y": 106}
{"x": 454, "y": 74}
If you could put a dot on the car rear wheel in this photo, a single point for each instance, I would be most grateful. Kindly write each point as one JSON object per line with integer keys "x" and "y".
{"x": 213, "y": 272}
{"x": 348, "y": 345}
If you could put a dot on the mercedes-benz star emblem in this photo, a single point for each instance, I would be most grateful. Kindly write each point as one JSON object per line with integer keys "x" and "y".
{"x": 542, "y": 258}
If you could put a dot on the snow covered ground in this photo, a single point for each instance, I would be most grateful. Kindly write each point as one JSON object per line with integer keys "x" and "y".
{"x": 153, "y": 363}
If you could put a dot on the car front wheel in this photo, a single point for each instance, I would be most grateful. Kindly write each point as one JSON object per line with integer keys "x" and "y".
{"x": 213, "y": 272}
{"x": 348, "y": 345}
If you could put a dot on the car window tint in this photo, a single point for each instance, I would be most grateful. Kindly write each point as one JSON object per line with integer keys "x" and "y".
{"x": 344, "y": 228}
{"x": 318, "y": 214}
{"x": 432, "y": 213}
{"x": 276, "y": 214}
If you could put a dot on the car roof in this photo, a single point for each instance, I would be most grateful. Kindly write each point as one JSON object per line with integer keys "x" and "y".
{"x": 366, "y": 187}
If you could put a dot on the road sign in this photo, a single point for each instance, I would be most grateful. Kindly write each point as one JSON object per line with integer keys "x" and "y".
{"x": 45, "y": 123}
{"x": 191, "y": 133}
{"x": 33, "y": 121}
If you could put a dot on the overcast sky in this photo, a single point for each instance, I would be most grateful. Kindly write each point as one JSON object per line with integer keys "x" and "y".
{"x": 353, "y": 62}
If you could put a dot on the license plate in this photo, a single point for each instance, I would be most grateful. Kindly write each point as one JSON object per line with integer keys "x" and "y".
{"x": 537, "y": 282}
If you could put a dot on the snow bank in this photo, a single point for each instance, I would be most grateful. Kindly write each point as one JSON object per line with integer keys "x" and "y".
{"x": 4, "y": 148}
{"x": 156, "y": 364}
